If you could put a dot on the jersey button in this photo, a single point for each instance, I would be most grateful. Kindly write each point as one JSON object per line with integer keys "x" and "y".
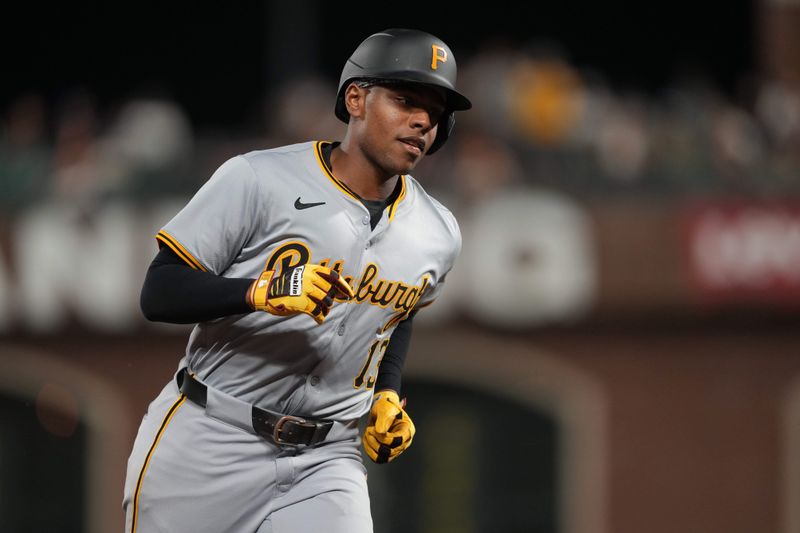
{"x": 314, "y": 381}
{"x": 340, "y": 331}
{"x": 365, "y": 220}
{"x": 367, "y": 245}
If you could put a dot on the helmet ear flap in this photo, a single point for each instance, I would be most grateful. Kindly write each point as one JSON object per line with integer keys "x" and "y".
{"x": 443, "y": 133}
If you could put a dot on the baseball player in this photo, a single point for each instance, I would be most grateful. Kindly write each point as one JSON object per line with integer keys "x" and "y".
{"x": 302, "y": 267}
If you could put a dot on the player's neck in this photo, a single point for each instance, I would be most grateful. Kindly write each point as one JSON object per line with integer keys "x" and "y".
{"x": 360, "y": 175}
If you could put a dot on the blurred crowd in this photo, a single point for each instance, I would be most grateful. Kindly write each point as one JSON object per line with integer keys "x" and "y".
{"x": 538, "y": 119}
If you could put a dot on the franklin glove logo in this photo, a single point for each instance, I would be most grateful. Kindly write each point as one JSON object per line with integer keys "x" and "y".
{"x": 296, "y": 283}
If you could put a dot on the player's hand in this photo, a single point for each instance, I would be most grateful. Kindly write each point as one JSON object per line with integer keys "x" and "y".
{"x": 389, "y": 430}
{"x": 308, "y": 289}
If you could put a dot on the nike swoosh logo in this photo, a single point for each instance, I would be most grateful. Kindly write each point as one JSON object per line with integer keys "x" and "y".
{"x": 300, "y": 205}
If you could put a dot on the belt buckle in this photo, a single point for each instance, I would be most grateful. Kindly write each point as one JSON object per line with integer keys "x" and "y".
{"x": 276, "y": 433}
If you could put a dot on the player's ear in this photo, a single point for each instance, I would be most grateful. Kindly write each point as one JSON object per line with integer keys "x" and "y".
{"x": 354, "y": 99}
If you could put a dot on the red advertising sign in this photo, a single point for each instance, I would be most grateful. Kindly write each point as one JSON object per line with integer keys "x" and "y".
{"x": 745, "y": 251}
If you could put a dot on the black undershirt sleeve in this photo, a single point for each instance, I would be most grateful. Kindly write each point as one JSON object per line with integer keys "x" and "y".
{"x": 390, "y": 373}
{"x": 176, "y": 293}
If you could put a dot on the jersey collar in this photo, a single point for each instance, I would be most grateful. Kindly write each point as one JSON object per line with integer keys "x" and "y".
{"x": 318, "y": 147}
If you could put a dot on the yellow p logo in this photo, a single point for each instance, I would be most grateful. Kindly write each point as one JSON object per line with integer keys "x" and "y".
{"x": 439, "y": 54}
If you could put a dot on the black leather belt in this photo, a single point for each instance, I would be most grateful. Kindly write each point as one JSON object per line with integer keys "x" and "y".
{"x": 282, "y": 429}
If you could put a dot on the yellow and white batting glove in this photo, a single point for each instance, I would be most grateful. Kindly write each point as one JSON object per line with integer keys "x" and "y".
{"x": 308, "y": 289}
{"x": 389, "y": 430}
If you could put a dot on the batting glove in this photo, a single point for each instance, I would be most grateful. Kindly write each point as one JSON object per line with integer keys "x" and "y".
{"x": 390, "y": 430}
{"x": 308, "y": 289}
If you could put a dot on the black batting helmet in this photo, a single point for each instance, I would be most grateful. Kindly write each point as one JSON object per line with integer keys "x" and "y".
{"x": 406, "y": 55}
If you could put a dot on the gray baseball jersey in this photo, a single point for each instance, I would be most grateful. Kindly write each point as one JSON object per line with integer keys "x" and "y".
{"x": 274, "y": 209}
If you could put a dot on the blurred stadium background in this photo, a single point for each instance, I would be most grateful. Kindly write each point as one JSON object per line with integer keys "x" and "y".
{"x": 618, "y": 350}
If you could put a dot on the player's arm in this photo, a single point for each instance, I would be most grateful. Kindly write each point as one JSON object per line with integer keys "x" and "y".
{"x": 176, "y": 293}
{"x": 389, "y": 429}
{"x": 390, "y": 373}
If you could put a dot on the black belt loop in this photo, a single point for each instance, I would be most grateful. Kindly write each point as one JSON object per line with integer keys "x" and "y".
{"x": 281, "y": 429}
{"x": 193, "y": 389}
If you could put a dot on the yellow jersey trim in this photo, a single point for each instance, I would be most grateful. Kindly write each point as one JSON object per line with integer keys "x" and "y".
{"x": 182, "y": 252}
{"x": 393, "y": 207}
{"x": 329, "y": 173}
{"x": 159, "y": 433}
{"x": 347, "y": 190}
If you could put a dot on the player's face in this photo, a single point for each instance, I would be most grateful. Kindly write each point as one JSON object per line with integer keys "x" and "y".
{"x": 400, "y": 124}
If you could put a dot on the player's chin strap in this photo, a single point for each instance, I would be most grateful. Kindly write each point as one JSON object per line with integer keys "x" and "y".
{"x": 281, "y": 429}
